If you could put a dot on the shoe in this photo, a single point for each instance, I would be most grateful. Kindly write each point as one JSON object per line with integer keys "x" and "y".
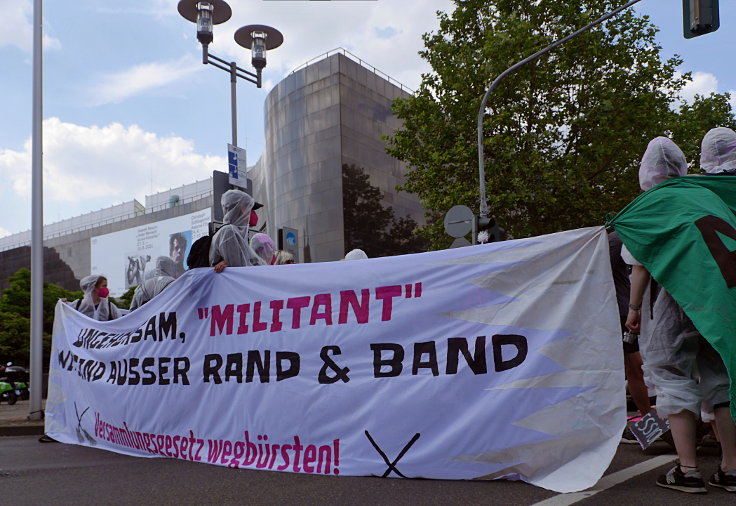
{"x": 46, "y": 439}
{"x": 628, "y": 438}
{"x": 725, "y": 480}
{"x": 690, "y": 482}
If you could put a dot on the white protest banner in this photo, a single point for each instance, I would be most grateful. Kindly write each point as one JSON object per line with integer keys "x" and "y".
{"x": 494, "y": 361}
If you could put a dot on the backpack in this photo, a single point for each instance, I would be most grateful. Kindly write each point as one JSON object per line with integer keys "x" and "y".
{"x": 199, "y": 254}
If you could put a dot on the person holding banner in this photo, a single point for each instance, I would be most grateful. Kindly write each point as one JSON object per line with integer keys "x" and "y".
{"x": 718, "y": 151}
{"x": 163, "y": 276}
{"x": 230, "y": 244}
{"x": 95, "y": 303}
{"x": 632, "y": 357}
{"x": 264, "y": 248}
{"x": 675, "y": 350}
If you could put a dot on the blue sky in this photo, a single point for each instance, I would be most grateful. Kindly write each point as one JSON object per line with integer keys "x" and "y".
{"x": 130, "y": 110}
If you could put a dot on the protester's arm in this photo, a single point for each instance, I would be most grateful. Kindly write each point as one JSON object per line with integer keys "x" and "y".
{"x": 639, "y": 280}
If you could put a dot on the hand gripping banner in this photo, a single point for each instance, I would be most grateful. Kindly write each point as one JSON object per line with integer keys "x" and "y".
{"x": 495, "y": 361}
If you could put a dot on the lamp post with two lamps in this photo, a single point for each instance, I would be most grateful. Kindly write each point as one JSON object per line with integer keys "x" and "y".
{"x": 258, "y": 38}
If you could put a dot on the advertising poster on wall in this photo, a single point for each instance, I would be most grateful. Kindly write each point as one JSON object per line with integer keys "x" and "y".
{"x": 128, "y": 257}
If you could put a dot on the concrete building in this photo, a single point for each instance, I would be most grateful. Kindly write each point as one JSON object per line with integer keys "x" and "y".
{"x": 327, "y": 115}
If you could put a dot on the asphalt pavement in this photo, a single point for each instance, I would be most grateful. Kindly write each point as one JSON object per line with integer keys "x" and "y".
{"x": 34, "y": 473}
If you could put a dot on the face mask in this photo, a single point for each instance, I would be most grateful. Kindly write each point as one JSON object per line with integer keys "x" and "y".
{"x": 253, "y": 219}
{"x": 103, "y": 292}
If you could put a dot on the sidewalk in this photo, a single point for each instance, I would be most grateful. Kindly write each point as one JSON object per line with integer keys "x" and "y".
{"x": 14, "y": 420}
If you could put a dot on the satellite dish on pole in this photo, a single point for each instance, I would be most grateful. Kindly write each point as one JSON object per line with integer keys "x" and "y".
{"x": 459, "y": 221}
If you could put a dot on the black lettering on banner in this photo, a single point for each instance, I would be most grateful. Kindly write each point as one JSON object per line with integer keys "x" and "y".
{"x": 709, "y": 227}
{"x": 181, "y": 368}
{"x": 341, "y": 373}
{"x": 150, "y": 377}
{"x": 395, "y": 363}
{"x": 430, "y": 349}
{"x": 211, "y": 368}
{"x": 134, "y": 378}
{"x": 294, "y": 365}
{"x": 167, "y": 326}
{"x": 234, "y": 367}
{"x": 163, "y": 368}
{"x": 458, "y": 345}
{"x": 522, "y": 348}
{"x": 256, "y": 362}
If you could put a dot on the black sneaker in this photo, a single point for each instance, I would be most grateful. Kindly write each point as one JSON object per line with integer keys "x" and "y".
{"x": 726, "y": 481}
{"x": 690, "y": 482}
{"x": 628, "y": 437}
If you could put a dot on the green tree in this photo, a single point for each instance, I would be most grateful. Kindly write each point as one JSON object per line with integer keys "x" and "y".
{"x": 15, "y": 316}
{"x": 125, "y": 299}
{"x": 563, "y": 136}
{"x": 693, "y": 120}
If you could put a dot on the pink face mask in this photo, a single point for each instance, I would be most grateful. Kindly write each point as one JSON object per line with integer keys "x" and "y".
{"x": 103, "y": 292}
{"x": 253, "y": 219}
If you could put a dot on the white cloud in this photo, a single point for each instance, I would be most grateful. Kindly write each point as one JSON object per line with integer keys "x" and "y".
{"x": 107, "y": 164}
{"x": 733, "y": 100}
{"x": 16, "y": 28}
{"x": 703, "y": 83}
{"x": 4, "y": 232}
{"x": 119, "y": 86}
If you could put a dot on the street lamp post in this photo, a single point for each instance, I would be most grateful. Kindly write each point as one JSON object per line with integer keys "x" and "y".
{"x": 258, "y": 38}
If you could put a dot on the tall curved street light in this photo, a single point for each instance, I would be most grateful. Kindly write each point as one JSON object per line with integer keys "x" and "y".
{"x": 258, "y": 38}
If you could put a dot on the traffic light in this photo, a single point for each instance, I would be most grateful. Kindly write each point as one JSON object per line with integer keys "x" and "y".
{"x": 486, "y": 230}
{"x": 699, "y": 17}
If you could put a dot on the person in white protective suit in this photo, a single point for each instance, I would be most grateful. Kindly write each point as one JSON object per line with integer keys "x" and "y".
{"x": 356, "y": 254}
{"x": 163, "y": 276}
{"x": 264, "y": 248}
{"x": 685, "y": 368}
{"x": 95, "y": 303}
{"x": 718, "y": 151}
{"x": 230, "y": 244}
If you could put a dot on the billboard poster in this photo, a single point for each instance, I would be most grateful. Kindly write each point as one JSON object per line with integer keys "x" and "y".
{"x": 128, "y": 257}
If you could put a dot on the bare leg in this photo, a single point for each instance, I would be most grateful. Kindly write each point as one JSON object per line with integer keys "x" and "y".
{"x": 727, "y": 437}
{"x": 682, "y": 426}
{"x": 635, "y": 378}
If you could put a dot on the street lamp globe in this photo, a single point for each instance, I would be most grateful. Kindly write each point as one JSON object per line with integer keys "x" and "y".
{"x": 205, "y": 14}
{"x": 259, "y": 39}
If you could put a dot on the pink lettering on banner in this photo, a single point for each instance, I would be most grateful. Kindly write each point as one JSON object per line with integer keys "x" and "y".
{"x": 354, "y": 307}
{"x": 259, "y": 453}
{"x": 182, "y": 446}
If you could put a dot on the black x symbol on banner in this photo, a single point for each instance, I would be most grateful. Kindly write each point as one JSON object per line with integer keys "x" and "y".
{"x": 81, "y": 433}
{"x": 392, "y": 465}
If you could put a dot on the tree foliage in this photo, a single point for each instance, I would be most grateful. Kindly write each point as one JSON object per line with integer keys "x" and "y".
{"x": 371, "y": 226}
{"x": 15, "y": 317}
{"x": 563, "y": 136}
{"x": 693, "y": 120}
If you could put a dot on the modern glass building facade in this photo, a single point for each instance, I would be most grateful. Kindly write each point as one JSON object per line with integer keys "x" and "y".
{"x": 320, "y": 118}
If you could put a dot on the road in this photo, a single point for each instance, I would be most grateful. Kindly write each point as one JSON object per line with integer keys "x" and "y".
{"x": 33, "y": 473}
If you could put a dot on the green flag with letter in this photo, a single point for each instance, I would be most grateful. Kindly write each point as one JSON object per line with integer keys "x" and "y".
{"x": 684, "y": 232}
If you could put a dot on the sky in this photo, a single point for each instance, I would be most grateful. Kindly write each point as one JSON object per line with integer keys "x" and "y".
{"x": 129, "y": 110}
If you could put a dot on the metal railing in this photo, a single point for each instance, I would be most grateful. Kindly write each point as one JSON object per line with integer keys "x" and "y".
{"x": 96, "y": 224}
{"x": 357, "y": 60}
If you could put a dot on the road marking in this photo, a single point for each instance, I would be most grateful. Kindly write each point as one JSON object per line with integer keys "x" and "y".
{"x": 608, "y": 481}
